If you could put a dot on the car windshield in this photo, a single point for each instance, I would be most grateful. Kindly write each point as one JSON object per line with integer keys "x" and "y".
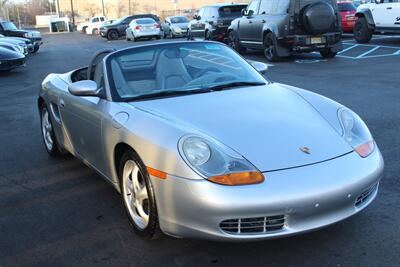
{"x": 145, "y": 21}
{"x": 8, "y": 26}
{"x": 177, "y": 68}
{"x": 231, "y": 11}
{"x": 346, "y": 7}
{"x": 179, "y": 20}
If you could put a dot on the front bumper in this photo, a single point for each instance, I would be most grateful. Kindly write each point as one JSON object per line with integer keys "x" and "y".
{"x": 103, "y": 33}
{"x": 36, "y": 41}
{"x": 140, "y": 34}
{"x": 10, "y": 64}
{"x": 307, "y": 198}
{"x": 220, "y": 34}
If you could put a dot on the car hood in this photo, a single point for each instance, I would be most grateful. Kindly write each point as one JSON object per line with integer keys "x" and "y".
{"x": 11, "y": 40}
{"x": 16, "y": 39}
{"x": 268, "y": 125}
{"x": 7, "y": 54}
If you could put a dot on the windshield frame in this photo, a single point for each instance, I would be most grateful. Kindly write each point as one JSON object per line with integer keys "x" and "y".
{"x": 115, "y": 97}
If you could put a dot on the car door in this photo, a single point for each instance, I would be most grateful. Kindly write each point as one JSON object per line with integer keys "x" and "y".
{"x": 384, "y": 13}
{"x": 246, "y": 22}
{"x": 393, "y": 13}
{"x": 81, "y": 118}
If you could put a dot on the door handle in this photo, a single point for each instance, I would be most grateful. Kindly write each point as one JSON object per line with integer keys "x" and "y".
{"x": 389, "y": 7}
{"x": 250, "y": 21}
{"x": 263, "y": 21}
{"x": 62, "y": 103}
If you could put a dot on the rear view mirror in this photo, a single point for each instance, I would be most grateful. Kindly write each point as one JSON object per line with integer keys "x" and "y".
{"x": 259, "y": 66}
{"x": 84, "y": 88}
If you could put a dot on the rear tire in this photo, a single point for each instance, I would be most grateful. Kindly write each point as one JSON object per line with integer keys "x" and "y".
{"x": 112, "y": 35}
{"x": 361, "y": 32}
{"x": 49, "y": 138}
{"x": 327, "y": 53}
{"x": 270, "y": 48}
{"x": 234, "y": 43}
{"x": 138, "y": 196}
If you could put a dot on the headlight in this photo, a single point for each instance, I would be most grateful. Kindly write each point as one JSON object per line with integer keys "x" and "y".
{"x": 217, "y": 162}
{"x": 355, "y": 132}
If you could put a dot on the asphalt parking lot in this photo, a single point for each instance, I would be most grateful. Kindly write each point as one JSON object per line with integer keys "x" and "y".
{"x": 58, "y": 212}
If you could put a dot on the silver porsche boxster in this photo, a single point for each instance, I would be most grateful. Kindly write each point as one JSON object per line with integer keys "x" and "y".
{"x": 201, "y": 145}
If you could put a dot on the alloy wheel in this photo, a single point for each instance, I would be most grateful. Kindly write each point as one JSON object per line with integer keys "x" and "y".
{"x": 47, "y": 130}
{"x": 135, "y": 194}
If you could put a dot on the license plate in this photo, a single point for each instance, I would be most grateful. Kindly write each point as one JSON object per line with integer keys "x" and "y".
{"x": 316, "y": 40}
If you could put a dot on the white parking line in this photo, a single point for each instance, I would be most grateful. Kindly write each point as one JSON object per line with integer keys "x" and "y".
{"x": 368, "y": 52}
{"x": 371, "y": 45}
{"x": 347, "y": 49}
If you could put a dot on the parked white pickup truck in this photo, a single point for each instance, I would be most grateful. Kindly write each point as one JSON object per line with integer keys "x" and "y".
{"x": 92, "y": 25}
{"x": 381, "y": 16}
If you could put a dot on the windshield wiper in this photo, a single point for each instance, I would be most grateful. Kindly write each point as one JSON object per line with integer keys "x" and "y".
{"x": 224, "y": 86}
{"x": 169, "y": 93}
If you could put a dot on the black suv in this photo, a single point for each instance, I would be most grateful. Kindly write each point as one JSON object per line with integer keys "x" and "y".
{"x": 212, "y": 22}
{"x": 285, "y": 27}
{"x": 118, "y": 28}
{"x": 7, "y": 28}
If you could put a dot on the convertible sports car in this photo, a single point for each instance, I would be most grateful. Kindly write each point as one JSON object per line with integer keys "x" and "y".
{"x": 200, "y": 144}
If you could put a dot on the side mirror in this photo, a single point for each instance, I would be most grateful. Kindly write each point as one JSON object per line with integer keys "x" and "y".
{"x": 250, "y": 13}
{"x": 84, "y": 88}
{"x": 259, "y": 66}
{"x": 198, "y": 17}
{"x": 243, "y": 12}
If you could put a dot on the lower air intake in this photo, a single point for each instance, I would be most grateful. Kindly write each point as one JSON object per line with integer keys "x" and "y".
{"x": 256, "y": 225}
{"x": 366, "y": 195}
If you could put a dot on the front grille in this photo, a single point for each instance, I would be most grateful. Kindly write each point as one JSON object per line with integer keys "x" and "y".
{"x": 366, "y": 195}
{"x": 253, "y": 225}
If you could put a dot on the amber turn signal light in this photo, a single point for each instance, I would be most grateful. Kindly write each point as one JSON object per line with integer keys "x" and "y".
{"x": 238, "y": 178}
{"x": 157, "y": 173}
{"x": 365, "y": 149}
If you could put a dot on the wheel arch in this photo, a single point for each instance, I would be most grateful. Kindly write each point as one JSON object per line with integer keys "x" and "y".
{"x": 119, "y": 151}
{"x": 265, "y": 32}
{"x": 367, "y": 14}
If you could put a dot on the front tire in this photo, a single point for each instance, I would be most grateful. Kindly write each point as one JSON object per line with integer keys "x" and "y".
{"x": 49, "y": 138}
{"x": 361, "y": 32}
{"x": 138, "y": 195}
{"x": 270, "y": 48}
{"x": 112, "y": 35}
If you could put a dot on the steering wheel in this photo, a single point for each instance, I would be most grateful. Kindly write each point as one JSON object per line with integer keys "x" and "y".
{"x": 212, "y": 78}
{"x": 95, "y": 60}
{"x": 204, "y": 71}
